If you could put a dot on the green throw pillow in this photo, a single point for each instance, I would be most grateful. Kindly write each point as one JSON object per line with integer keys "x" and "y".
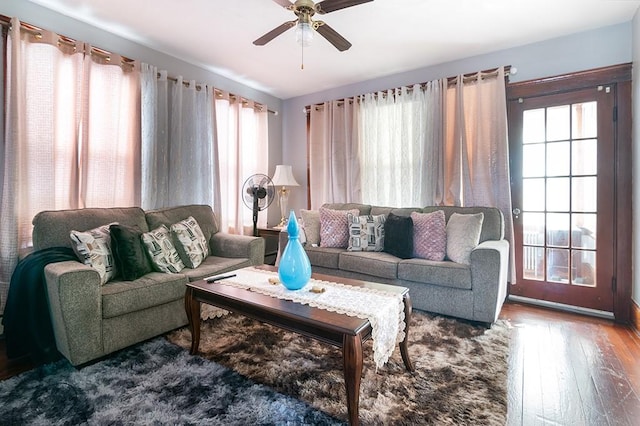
{"x": 129, "y": 252}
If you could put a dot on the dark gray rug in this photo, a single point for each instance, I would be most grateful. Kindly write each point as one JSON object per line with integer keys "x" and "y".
{"x": 152, "y": 383}
{"x": 460, "y": 377}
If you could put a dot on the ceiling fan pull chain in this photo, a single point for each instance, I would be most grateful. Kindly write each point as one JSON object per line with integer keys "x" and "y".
{"x": 302, "y": 56}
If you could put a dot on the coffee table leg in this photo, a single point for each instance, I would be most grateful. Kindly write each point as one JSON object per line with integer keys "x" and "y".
{"x": 404, "y": 345}
{"x": 352, "y": 358}
{"x": 192, "y": 308}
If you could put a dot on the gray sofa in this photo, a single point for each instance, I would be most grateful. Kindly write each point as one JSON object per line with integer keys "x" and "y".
{"x": 475, "y": 292}
{"x": 91, "y": 320}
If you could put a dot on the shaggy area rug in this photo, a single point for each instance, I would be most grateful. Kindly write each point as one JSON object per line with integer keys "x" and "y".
{"x": 152, "y": 383}
{"x": 460, "y": 376}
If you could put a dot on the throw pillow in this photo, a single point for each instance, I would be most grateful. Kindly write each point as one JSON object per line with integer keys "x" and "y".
{"x": 190, "y": 242}
{"x": 129, "y": 253}
{"x": 366, "y": 233}
{"x": 161, "y": 250}
{"x": 93, "y": 248}
{"x": 429, "y": 235}
{"x": 463, "y": 235}
{"x": 334, "y": 227}
{"x": 398, "y": 236}
{"x": 311, "y": 226}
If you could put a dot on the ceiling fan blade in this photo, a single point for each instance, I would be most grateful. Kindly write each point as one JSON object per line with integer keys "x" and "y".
{"x": 284, "y": 3}
{"x": 274, "y": 33}
{"x": 333, "y": 37}
{"x": 327, "y": 6}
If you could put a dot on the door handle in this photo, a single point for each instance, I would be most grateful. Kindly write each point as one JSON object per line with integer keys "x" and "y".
{"x": 516, "y": 212}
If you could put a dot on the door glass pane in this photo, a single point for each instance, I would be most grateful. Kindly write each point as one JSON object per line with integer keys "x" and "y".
{"x": 583, "y": 270}
{"x": 584, "y": 158}
{"x": 584, "y": 123}
{"x": 533, "y": 160}
{"x": 558, "y": 123}
{"x": 558, "y": 194}
{"x": 558, "y": 264}
{"x": 584, "y": 231}
{"x": 533, "y": 126}
{"x": 533, "y": 228}
{"x": 533, "y": 194}
{"x": 558, "y": 159}
{"x": 533, "y": 263}
{"x": 584, "y": 194}
{"x": 558, "y": 229}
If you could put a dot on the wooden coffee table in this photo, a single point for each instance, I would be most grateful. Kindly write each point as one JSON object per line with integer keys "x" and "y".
{"x": 343, "y": 331}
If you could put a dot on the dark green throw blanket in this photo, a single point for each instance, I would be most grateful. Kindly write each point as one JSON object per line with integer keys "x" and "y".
{"x": 26, "y": 320}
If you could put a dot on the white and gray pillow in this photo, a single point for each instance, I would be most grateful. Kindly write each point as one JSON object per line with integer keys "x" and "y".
{"x": 366, "y": 233}
{"x": 463, "y": 235}
{"x": 93, "y": 248}
{"x": 190, "y": 242}
{"x": 161, "y": 250}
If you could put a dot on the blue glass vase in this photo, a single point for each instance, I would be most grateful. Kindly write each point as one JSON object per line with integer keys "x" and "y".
{"x": 294, "y": 269}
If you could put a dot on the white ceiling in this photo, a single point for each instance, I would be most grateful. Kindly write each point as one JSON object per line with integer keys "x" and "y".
{"x": 388, "y": 36}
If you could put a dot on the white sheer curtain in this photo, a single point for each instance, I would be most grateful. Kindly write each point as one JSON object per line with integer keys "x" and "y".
{"x": 243, "y": 136}
{"x": 69, "y": 139}
{"x": 476, "y": 161}
{"x": 178, "y": 142}
{"x": 334, "y": 153}
{"x": 401, "y": 137}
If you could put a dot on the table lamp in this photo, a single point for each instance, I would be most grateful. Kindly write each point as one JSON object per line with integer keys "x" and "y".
{"x": 283, "y": 177}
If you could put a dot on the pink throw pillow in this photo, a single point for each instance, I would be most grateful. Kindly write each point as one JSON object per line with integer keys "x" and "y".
{"x": 334, "y": 227}
{"x": 429, "y": 235}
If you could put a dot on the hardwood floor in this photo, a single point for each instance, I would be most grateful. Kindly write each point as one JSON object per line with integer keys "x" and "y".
{"x": 564, "y": 369}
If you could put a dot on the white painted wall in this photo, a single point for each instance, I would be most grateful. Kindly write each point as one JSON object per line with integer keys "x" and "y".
{"x": 636, "y": 157}
{"x": 53, "y": 21}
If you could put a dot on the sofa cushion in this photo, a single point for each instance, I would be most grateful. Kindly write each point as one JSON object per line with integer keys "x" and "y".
{"x": 463, "y": 235}
{"x": 93, "y": 248}
{"x": 311, "y": 226}
{"x": 398, "y": 232}
{"x": 334, "y": 227}
{"x": 377, "y": 264}
{"x": 429, "y": 235}
{"x": 155, "y": 288}
{"x": 363, "y": 209}
{"x": 170, "y": 215}
{"x": 366, "y": 233}
{"x": 161, "y": 250}
{"x": 129, "y": 252}
{"x": 51, "y": 228}
{"x": 446, "y": 274}
{"x": 324, "y": 257}
{"x": 190, "y": 242}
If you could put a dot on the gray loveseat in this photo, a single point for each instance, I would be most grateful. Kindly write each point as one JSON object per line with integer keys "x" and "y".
{"x": 475, "y": 292}
{"x": 91, "y": 320}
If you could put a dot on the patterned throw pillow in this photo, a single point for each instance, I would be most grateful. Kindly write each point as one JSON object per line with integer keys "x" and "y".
{"x": 366, "y": 233}
{"x": 191, "y": 243}
{"x": 161, "y": 251}
{"x": 429, "y": 235}
{"x": 93, "y": 248}
{"x": 334, "y": 227}
{"x": 398, "y": 236}
{"x": 311, "y": 226}
{"x": 463, "y": 235}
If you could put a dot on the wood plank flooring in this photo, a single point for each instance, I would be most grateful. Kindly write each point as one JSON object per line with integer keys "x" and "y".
{"x": 564, "y": 369}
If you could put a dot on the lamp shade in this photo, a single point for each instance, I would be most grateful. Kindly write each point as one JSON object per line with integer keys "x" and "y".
{"x": 284, "y": 176}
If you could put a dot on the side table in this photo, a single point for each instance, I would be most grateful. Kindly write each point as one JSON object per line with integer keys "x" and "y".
{"x": 271, "y": 238}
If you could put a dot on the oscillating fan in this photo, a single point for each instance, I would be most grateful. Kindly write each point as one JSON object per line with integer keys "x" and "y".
{"x": 257, "y": 193}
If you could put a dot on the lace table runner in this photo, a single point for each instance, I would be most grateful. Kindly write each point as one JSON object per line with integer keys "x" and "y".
{"x": 384, "y": 310}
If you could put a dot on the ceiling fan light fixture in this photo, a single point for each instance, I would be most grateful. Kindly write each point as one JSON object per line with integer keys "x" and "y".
{"x": 304, "y": 34}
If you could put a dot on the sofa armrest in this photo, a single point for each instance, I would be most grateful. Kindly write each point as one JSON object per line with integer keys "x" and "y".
{"x": 489, "y": 263}
{"x": 75, "y": 303}
{"x": 231, "y": 245}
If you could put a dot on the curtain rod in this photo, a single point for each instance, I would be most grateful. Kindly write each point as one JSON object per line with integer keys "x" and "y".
{"x": 450, "y": 81}
{"x": 220, "y": 93}
{"x": 5, "y": 21}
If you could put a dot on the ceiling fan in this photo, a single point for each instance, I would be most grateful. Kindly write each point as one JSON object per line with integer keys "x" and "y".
{"x": 304, "y": 10}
